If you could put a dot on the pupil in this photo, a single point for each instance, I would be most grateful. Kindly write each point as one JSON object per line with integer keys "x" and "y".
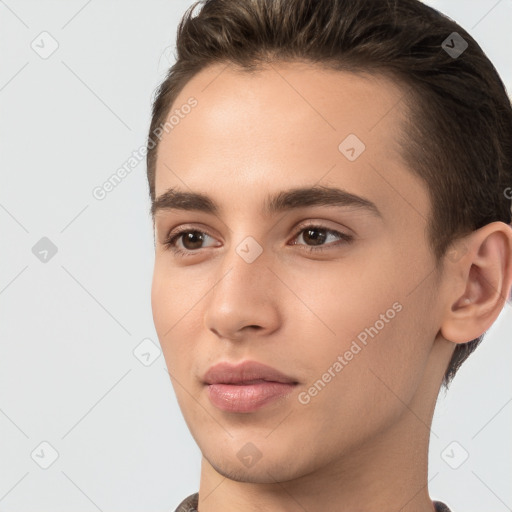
{"x": 317, "y": 239}
{"x": 189, "y": 237}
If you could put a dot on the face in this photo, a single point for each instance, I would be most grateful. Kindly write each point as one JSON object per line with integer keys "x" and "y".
{"x": 329, "y": 288}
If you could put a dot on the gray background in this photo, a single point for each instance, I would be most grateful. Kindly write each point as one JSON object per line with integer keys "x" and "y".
{"x": 69, "y": 326}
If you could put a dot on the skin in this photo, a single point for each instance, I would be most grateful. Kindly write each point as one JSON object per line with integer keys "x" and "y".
{"x": 361, "y": 443}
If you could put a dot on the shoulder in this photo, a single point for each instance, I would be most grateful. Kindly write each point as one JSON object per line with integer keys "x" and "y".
{"x": 189, "y": 504}
{"x": 439, "y": 506}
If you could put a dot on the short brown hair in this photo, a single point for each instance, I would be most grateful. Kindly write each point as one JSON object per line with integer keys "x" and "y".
{"x": 459, "y": 124}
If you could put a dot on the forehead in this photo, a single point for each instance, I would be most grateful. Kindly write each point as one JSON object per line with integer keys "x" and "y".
{"x": 287, "y": 122}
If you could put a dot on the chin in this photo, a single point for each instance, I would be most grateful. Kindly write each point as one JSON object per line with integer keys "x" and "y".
{"x": 266, "y": 465}
{"x": 261, "y": 473}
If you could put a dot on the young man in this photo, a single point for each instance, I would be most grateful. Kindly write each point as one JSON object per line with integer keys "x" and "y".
{"x": 329, "y": 192}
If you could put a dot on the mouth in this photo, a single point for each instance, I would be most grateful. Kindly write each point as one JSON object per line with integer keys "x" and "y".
{"x": 247, "y": 396}
{"x": 246, "y": 387}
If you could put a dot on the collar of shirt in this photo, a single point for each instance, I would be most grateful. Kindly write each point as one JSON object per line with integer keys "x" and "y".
{"x": 190, "y": 504}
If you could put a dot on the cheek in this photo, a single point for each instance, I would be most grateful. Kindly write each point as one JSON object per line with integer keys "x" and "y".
{"x": 366, "y": 316}
{"x": 161, "y": 305}
{"x": 169, "y": 308}
{"x": 171, "y": 296}
{"x": 355, "y": 388}
{"x": 341, "y": 299}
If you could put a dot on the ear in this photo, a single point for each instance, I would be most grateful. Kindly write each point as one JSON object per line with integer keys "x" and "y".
{"x": 480, "y": 278}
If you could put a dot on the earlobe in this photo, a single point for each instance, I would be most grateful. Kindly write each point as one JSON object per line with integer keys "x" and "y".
{"x": 484, "y": 274}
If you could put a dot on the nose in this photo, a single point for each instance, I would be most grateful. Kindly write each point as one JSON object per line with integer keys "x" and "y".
{"x": 245, "y": 297}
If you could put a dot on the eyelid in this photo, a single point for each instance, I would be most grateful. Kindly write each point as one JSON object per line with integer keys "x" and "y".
{"x": 170, "y": 241}
{"x": 176, "y": 233}
{"x": 181, "y": 228}
{"x": 319, "y": 223}
{"x": 310, "y": 222}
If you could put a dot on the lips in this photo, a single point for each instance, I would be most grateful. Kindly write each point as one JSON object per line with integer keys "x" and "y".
{"x": 247, "y": 387}
{"x": 248, "y": 372}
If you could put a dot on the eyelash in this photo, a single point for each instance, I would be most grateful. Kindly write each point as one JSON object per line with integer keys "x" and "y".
{"x": 170, "y": 242}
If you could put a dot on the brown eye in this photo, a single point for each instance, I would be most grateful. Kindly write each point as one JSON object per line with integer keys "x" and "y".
{"x": 191, "y": 240}
{"x": 315, "y": 236}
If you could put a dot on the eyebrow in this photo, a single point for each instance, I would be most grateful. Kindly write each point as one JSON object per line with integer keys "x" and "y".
{"x": 174, "y": 199}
